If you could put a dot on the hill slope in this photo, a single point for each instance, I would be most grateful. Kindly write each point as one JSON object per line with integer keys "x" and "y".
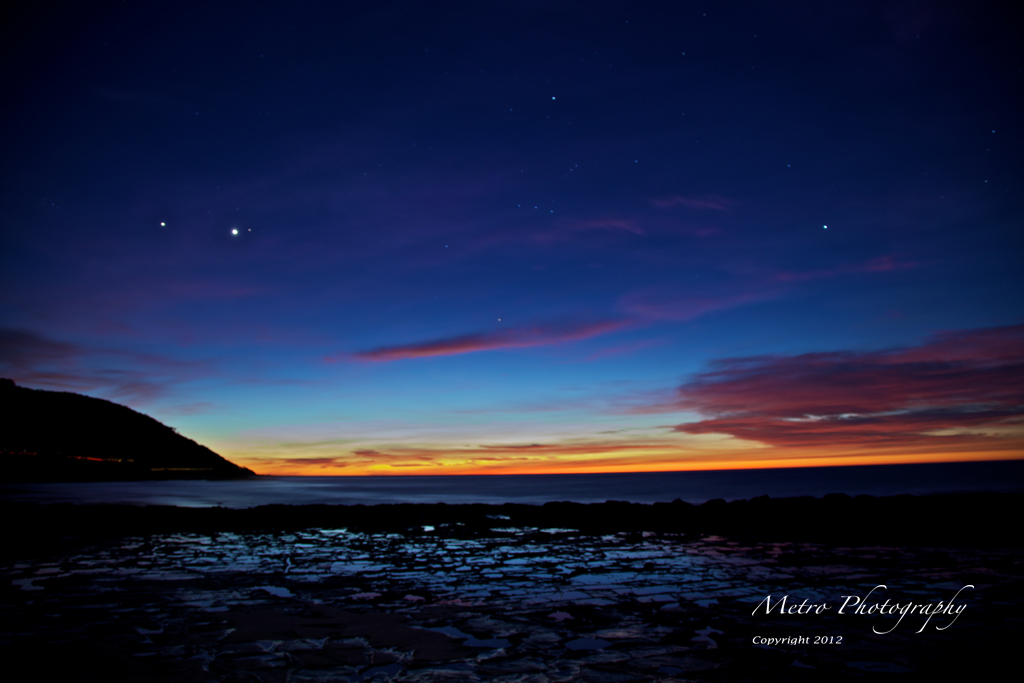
{"x": 61, "y": 436}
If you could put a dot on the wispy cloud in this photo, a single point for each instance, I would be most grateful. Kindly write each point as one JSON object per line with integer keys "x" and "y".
{"x": 881, "y": 264}
{"x": 22, "y": 348}
{"x": 660, "y": 304}
{"x": 196, "y": 408}
{"x": 664, "y": 303}
{"x": 540, "y": 334}
{"x": 609, "y": 224}
{"x": 137, "y": 378}
{"x": 623, "y": 349}
{"x": 956, "y": 386}
{"x": 715, "y": 203}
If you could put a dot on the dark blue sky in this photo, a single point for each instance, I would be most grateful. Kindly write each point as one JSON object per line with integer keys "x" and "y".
{"x": 341, "y": 238}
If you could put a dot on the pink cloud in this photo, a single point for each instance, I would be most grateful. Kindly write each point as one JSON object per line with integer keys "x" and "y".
{"x": 969, "y": 379}
{"x": 542, "y": 334}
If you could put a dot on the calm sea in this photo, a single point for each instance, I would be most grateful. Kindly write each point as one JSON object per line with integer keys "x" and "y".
{"x": 693, "y": 487}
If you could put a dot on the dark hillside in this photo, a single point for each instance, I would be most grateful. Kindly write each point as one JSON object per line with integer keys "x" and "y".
{"x": 62, "y": 436}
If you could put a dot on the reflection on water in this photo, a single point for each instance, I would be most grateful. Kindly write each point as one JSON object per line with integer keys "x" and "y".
{"x": 693, "y": 487}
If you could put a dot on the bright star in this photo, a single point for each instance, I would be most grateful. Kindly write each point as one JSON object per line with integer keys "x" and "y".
{"x": 234, "y": 231}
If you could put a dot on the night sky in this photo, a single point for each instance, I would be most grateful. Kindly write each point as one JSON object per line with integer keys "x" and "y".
{"x": 440, "y": 238}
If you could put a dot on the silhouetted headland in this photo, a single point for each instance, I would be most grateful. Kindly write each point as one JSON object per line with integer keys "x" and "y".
{"x": 51, "y": 436}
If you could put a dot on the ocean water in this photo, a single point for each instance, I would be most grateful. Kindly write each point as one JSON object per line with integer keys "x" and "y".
{"x": 641, "y": 487}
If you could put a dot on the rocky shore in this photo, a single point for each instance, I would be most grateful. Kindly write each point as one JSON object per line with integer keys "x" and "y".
{"x": 555, "y": 593}
{"x": 975, "y": 519}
